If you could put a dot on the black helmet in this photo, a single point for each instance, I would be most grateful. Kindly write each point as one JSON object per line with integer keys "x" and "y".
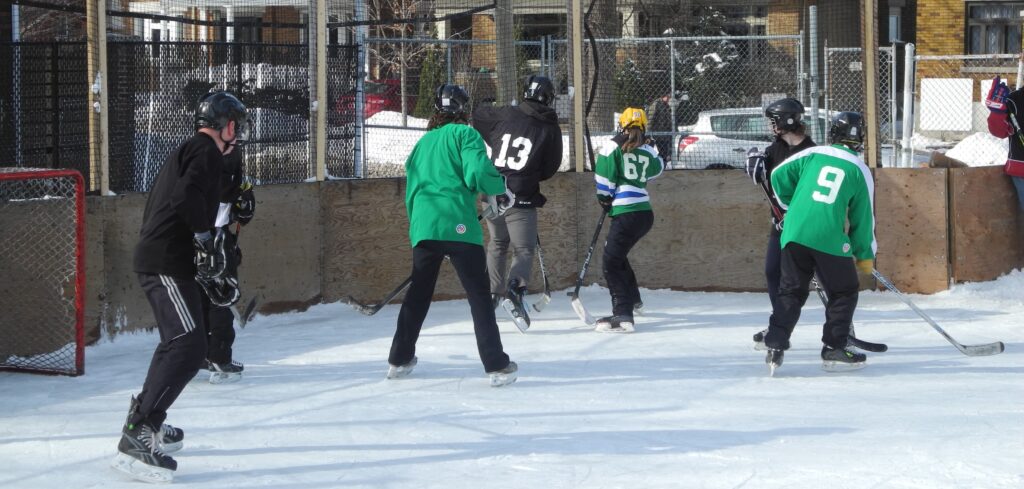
{"x": 785, "y": 114}
{"x": 540, "y": 89}
{"x": 216, "y": 109}
{"x": 847, "y": 128}
{"x": 451, "y": 99}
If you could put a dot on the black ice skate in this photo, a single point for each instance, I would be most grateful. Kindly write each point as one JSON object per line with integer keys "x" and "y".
{"x": 514, "y": 305}
{"x": 171, "y": 439}
{"x": 504, "y": 376}
{"x": 225, "y": 373}
{"x": 399, "y": 371}
{"x": 774, "y": 360}
{"x": 139, "y": 455}
{"x": 615, "y": 324}
{"x": 841, "y": 359}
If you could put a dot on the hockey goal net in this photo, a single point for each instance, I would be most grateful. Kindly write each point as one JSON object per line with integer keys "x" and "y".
{"x": 42, "y": 275}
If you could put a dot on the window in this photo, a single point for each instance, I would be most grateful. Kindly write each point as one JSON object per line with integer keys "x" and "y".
{"x": 993, "y": 28}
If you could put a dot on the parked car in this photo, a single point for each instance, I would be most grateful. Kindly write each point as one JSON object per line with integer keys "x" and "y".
{"x": 378, "y": 96}
{"x": 720, "y": 138}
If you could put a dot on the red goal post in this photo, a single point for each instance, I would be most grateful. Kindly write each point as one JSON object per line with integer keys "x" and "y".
{"x": 42, "y": 271}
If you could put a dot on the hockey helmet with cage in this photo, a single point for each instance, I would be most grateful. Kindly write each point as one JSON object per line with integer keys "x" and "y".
{"x": 539, "y": 89}
{"x": 217, "y": 109}
{"x": 784, "y": 114}
{"x": 847, "y": 128}
{"x": 451, "y": 99}
{"x": 633, "y": 117}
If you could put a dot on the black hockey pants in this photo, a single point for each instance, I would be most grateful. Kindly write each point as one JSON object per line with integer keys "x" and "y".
{"x": 471, "y": 266}
{"x": 626, "y": 231}
{"x": 178, "y": 306}
{"x": 838, "y": 276}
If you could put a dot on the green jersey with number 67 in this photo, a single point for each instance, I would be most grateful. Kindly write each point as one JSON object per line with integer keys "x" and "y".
{"x": 624, "y": 176}
{"x": 821, "y": 188}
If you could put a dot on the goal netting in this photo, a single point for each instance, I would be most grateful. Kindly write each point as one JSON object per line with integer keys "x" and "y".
{"x": 42, "y": 276}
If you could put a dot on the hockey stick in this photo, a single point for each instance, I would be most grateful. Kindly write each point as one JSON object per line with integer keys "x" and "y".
{"x": 577, "y": 304}
{"x": 853, "y": 340}
{"x": 370, "y": 310}
{"x": 545, "y": 298}
{"x": 969, "y": 350}
{"x": 246, "y": 315}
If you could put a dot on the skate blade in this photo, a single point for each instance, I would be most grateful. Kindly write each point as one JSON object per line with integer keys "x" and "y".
{"x": 607, "y": 328}
{"x": 521, "y": 323}
{"x": 172, "y": 447}
{"x": 139, "y": 471}
{"x": 498, "y": 380}
{"x": 225, "y": 377}
{"x": 833, "y": 366}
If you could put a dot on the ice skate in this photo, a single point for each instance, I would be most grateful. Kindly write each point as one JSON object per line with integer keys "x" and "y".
{"x": 638, "y": 309}
{"x": 225, "y": 373}
{"x": 399, "y": 371}
{"x": 514, "y": 305}
{"x": 841, "y": 359}
{"x": 504, "y": 376}
{"x": 170, "y": 439}
{"x": 774, "y": 360}
{"x": 615, "y": 324}
{"x": 139, "y": 455}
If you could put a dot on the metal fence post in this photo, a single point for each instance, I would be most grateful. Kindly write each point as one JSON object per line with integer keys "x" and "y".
{"x": 674, "y": 102}
{"x": 908, "y": 105}
{"x": 813, "y": 20}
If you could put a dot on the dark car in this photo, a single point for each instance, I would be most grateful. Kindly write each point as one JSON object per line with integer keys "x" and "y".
{"x": 378, "y": 96}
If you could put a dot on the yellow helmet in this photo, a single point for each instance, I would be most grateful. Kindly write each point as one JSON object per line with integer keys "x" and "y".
{"x": 633, "y": 117}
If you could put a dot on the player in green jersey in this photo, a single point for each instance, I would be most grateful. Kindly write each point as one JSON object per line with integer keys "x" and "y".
{"x": 624, "y": 166}
{"x": 444, "y": 173}
{"x": 821, "y": 188}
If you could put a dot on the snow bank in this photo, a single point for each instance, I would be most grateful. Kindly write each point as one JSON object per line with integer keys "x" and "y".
{"x": 980, "y": 149}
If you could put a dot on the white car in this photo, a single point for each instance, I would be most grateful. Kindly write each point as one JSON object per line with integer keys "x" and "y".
{"x": 721, "y": 138}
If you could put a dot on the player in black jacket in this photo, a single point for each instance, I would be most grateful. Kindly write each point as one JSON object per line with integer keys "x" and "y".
{"x": 176, "y": 248}
{"x": 525, "y": 144}
{"x": 784, "y": 118}
{"x": 237, "y": 206}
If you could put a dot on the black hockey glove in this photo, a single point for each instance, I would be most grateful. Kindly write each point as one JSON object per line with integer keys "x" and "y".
{"x": 245, "y": 205}
{"x": 756, "y": 165}
{"x": 210, "y": 258}
{"x": 605, "y": 202}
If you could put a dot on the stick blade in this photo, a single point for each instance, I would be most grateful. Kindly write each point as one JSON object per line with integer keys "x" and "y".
{"x": 247, "y": 313}
{"x": 985, "y": 350}
{"x": 577, "y": 306}
{"x": 542, "y": 302}
{"x": 362, "y": 308}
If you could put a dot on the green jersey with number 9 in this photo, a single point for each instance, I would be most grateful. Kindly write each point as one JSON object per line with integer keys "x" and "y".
{"x": 624, "y": 176}
{"x": 821, "y": 188}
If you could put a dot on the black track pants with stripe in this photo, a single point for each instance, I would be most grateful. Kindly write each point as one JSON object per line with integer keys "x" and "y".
{"x": 178, "y": 307}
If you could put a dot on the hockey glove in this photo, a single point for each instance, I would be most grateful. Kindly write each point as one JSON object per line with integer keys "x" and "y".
{"x": 497, "y": 205}
{"x": 605, "y": 202}
{"x": 866, "y": 266}
{"x": 210, "y": 258}
{"x": 996, "y": 99}
{"x": 245, "y": 205}
{"x": 756, "y": 165}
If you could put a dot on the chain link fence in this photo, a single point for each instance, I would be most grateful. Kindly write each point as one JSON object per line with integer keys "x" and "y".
{"x": 844, "y": 92}
{"x": 42, "y": 291}
{"x": 951, "y": 91}
{"x": 704, "y": 95}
